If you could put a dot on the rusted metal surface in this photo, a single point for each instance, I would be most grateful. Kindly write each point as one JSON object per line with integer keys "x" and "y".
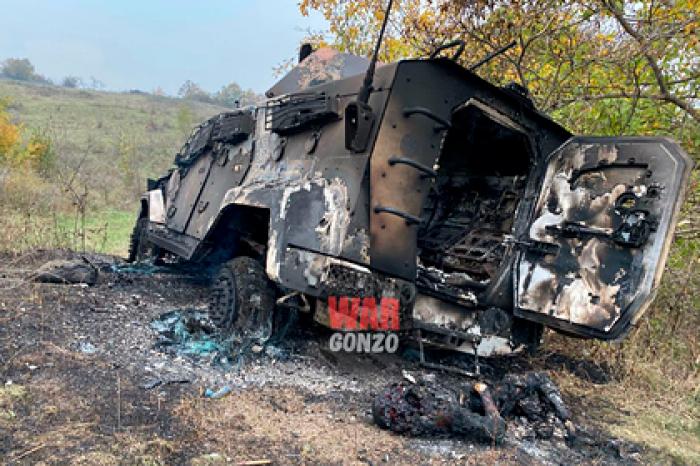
{"x": 322, "y": 66}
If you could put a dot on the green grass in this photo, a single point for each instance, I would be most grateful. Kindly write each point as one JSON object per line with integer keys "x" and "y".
{"x": 106, "y": 231}
{"x": 113, "y": 141}
{"x": 104, "y": 145}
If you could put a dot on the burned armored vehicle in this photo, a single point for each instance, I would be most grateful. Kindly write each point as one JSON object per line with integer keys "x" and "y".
{"x": 420, "y": 181}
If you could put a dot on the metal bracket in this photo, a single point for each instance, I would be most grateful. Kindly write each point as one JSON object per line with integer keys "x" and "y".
{"x": 442, "y": 123}
{"x": 427, "y": 171}
{"x": 410, "y": 219}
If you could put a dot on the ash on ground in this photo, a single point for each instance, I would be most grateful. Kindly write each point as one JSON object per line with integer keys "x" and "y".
{"x": 149, "y": 325}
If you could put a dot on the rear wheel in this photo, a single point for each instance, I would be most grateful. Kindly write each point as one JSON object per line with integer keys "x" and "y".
{"x": 242, "y": 299}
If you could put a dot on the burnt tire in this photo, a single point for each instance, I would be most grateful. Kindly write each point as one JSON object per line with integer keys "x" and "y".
{"x": 140, "y": 248}
{"x": 242, "y": 299}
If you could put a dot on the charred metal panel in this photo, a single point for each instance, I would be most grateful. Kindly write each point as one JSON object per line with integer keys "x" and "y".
{"x": 310, "y": 183}
{"x": 608, "y": 205}
{"x": 296, "y": 112}
{"x": 231, "y": 164}
{"x": 156, "y": 206}
{"x": 170, "y": 240}
{"x": 184, "y": 188}
{"x": 397, "y": 189}
{"x": 430, "y": 312}
{"x": 451, "y": 326}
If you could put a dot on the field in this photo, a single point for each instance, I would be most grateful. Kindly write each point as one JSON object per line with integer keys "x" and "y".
{"x": 104, "y": 146}
{"x": 644, "y": 390}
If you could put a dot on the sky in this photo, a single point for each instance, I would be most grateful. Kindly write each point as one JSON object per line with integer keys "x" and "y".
{"x": 144, "y": 44}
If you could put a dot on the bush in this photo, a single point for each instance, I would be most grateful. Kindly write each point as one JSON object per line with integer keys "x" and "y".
{"x": 72, "y": 82}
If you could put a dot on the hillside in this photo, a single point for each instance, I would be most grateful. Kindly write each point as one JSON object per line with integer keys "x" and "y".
{"x": 103, "y": 146}
{"x": 124, "y": 137}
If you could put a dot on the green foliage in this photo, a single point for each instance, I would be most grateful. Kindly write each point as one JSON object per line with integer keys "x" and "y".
{"x": 604, "y": 67}
{"x": 231, "y": 95}
{"x": 191, "y": 91}
{"x": 20, "y": 69}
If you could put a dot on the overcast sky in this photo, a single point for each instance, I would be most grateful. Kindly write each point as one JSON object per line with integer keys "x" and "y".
{"x": 142, "y": 44}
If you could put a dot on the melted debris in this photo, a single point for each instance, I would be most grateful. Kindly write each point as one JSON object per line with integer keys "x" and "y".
{"x": 188, "y": 332}
{"x": 430, "y": 409}
{"x": 422, "y": 407}
{"x": 191, "y": 333}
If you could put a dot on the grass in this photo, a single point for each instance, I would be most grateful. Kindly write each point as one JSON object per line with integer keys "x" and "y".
{"x": 104, "y": 145}
{"x": 106, "y": 231}
{"x": 107, "y": 142}
{"x": 663, "y": 417}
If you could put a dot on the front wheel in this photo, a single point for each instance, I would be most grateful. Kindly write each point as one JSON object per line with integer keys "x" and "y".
{"x": 242, "y": 299}
{"x": 140, "y": 248}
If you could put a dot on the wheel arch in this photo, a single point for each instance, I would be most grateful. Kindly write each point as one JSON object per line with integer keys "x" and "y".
{"x": 238, "y": 230}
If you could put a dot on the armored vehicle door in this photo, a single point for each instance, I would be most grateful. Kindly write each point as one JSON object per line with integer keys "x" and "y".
{"x": 209, "y": 149}
{"x": 183, "y": 191}
{"x": 231, "y": 164}
{"x": 600, "y": 233}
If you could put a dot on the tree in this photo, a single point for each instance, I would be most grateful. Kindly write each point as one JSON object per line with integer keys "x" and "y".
{"x": 598, "y": 66}
{"x": 95, "y": 83}
{"x": 20, "y": 69}
{"x": 229, "y": 95}
{"x": 191, "y": 91}
{"x": 232, "y": 95}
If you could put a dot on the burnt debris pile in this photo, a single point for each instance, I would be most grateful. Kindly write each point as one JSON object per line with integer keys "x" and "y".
{"x": 187, "y": 332}
{"x": 191, "y": 333}
{"x": 530, "y": 403}
{"x": 79, "y": 270}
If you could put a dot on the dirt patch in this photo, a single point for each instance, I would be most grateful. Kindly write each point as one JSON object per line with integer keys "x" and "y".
{"x": 95, "y": 389}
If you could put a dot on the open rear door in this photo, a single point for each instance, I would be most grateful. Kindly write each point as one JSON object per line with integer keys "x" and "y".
{"x": 600, "y": 233}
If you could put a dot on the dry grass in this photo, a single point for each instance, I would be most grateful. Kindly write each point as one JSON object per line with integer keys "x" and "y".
{"x": 654, "y": 398}
{"x": 282, "y": 424}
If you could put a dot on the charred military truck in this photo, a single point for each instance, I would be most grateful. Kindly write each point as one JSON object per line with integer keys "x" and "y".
{"x": 420, "y": 181}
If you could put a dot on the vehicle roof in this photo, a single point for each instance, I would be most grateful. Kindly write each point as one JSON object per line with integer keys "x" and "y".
{"x": 322, "y": 66}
